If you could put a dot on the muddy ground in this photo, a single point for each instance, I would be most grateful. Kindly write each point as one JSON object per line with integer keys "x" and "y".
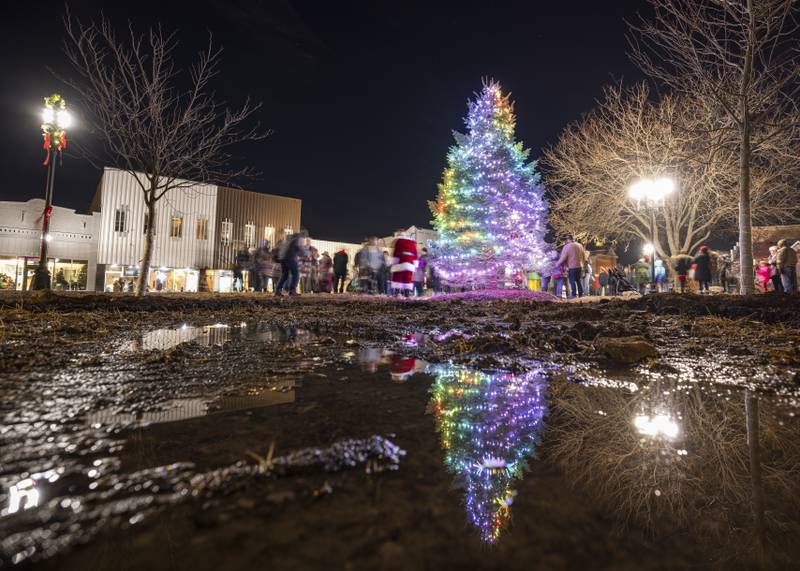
{"x": 149, "y": 430}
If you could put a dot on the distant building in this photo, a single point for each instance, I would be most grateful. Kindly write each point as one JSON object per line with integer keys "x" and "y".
{"x": 423, "y": 237}
{"x": 332, "y": 246}
{"x": 71, "y": 252}
{"x": 198, "y": 230}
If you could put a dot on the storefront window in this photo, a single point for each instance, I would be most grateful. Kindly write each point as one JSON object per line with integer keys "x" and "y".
{"x": 69, "y": 274}
{"x": 65, "y": 274}
{"x": 174, "y": 280}
{"x": 11, "y": 273}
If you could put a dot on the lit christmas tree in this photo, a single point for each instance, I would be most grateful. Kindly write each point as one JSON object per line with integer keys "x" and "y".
{"x": 489, "y": 424}
{"x": 489, "y": 212}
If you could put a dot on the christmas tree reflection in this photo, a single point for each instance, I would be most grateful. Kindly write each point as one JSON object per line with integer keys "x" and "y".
{"x": 489, "y": 423}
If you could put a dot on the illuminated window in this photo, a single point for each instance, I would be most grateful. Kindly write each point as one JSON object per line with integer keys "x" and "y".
{"x": 119, "y": 220}
{"x": 176, "y": 226}
{"x": 269, "y": 233}
{"x": 249, "y": 235}
{"x": 202, "y": 229}
{"x": 225, "y": 231}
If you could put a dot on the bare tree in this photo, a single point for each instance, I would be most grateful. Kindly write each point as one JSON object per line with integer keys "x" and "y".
{"x": 739, "y": 56}
{"x": 163, "y": 128}
{"x": 701, "y": 472}
{"x": 628, "y": 137}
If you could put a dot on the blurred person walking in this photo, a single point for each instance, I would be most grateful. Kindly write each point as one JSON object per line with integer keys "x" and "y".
{"x": 262, "y": 266}
{"x": 340, "y": 262}
{"x": 702, "y": 269}
{"x": 682, "y": 264}
{"x": 420, "y": 273}
{"x": 293, "y": 249}
{"x": 325, "y": 272}
{"x": 775, "y": 273}
{"x": 787, "y": 264}
{"x": 573, "y": 256}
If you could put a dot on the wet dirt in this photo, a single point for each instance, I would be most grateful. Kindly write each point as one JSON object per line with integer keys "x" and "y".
{"x": 239, "y": 431}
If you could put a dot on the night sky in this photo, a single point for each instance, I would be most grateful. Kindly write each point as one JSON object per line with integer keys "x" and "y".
{"x": 362, "y": 96}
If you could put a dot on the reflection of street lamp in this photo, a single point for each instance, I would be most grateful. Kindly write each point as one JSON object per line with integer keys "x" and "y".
{"x": 55, "y": 120}
{"x": 652, "y": 192}
{"x": 658, "y": 425}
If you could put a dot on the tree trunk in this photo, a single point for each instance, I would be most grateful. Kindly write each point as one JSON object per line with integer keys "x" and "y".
{"x": 144, "y": 266}
{"x": 746, "y": 276}
{"x": 756, "y": 484}
{"x": 747, "y": 281}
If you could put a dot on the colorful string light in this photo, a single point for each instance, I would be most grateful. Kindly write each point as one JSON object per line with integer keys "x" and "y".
{"x": 489, "y": 424}
{"x": 489, "y": 212}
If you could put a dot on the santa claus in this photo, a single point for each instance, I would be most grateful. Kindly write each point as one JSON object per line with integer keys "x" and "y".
{"x": 404, "y": 262}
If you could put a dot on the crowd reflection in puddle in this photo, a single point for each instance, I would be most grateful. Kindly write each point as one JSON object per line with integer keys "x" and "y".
{"x": 401, "y": 367}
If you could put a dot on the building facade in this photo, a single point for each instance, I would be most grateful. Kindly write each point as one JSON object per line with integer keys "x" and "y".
{"x": 198, "y": 229}
{"x": 71, "y": 252}
{"x": 244, "y": 220}
{"x": 183, "y": 241}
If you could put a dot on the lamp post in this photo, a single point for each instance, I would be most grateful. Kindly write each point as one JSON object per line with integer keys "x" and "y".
{"x": 55, "y": 120}
{"x": 652, "y": 192}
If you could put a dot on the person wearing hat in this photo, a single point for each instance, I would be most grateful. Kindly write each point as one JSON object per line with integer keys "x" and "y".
{"x": 702, "y": 270}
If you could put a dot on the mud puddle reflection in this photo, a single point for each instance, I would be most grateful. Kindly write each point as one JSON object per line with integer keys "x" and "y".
{"x": 491, "y": 458}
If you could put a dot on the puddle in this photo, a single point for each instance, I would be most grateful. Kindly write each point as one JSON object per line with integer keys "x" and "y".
{"x": 490, "y": 424}
{"x": 522, "y": 460}
{"x": 216, "y": 334}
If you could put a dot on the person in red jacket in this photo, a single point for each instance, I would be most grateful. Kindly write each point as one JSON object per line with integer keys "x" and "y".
{"x": 404, "y": 262}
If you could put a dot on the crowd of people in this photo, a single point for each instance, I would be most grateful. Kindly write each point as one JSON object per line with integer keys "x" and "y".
{"x": 570, "y": 273}
{"x": 294, "y": 266}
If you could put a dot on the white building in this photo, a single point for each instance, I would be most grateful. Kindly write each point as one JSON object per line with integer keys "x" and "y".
{"x": 71, "y": 251}
{"x": 184, "y": 225}
{"x": 423, "y": 237}
{"x": 332, "y": 247}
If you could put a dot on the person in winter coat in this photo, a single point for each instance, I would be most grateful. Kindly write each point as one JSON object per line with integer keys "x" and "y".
{"x": 775, "y": 275}
{"x": 340, "y": 261}
{"x": 547, "y": 270}
{"x": 560, "y": 280}
{"x": 682, "y": 264}
{"x": 661, "y": 276}
{"x": 641, "y": 274}
{"x": 240, "y": 264}
{"x": 369, "y": 261}
{"x": 292, "y": 250}
{"x": 573, "y": 256}
{"x": 702, "y": 270}
{"x": 764, "y": 274}
{"x": 603, "y": 283}
{"x": 262, "y": 266}
{"x": 325, "y": 272}
{"x": 787, "y": 264}
{"x": 420, "y": 273}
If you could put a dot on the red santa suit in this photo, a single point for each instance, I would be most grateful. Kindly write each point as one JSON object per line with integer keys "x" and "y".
{"x": 402, "y": 367}
{"x": 404, "y": 262}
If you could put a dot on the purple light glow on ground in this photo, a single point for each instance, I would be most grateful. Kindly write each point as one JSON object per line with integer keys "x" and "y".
{"x": 496, "y": 295}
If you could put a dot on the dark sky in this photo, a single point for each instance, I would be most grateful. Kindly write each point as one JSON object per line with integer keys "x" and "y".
{"x": 362, "y": 96}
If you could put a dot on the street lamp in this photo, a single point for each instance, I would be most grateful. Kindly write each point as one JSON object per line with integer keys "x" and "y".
{"x": 55, "y": 121}
{"x": 653, "y": 193}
